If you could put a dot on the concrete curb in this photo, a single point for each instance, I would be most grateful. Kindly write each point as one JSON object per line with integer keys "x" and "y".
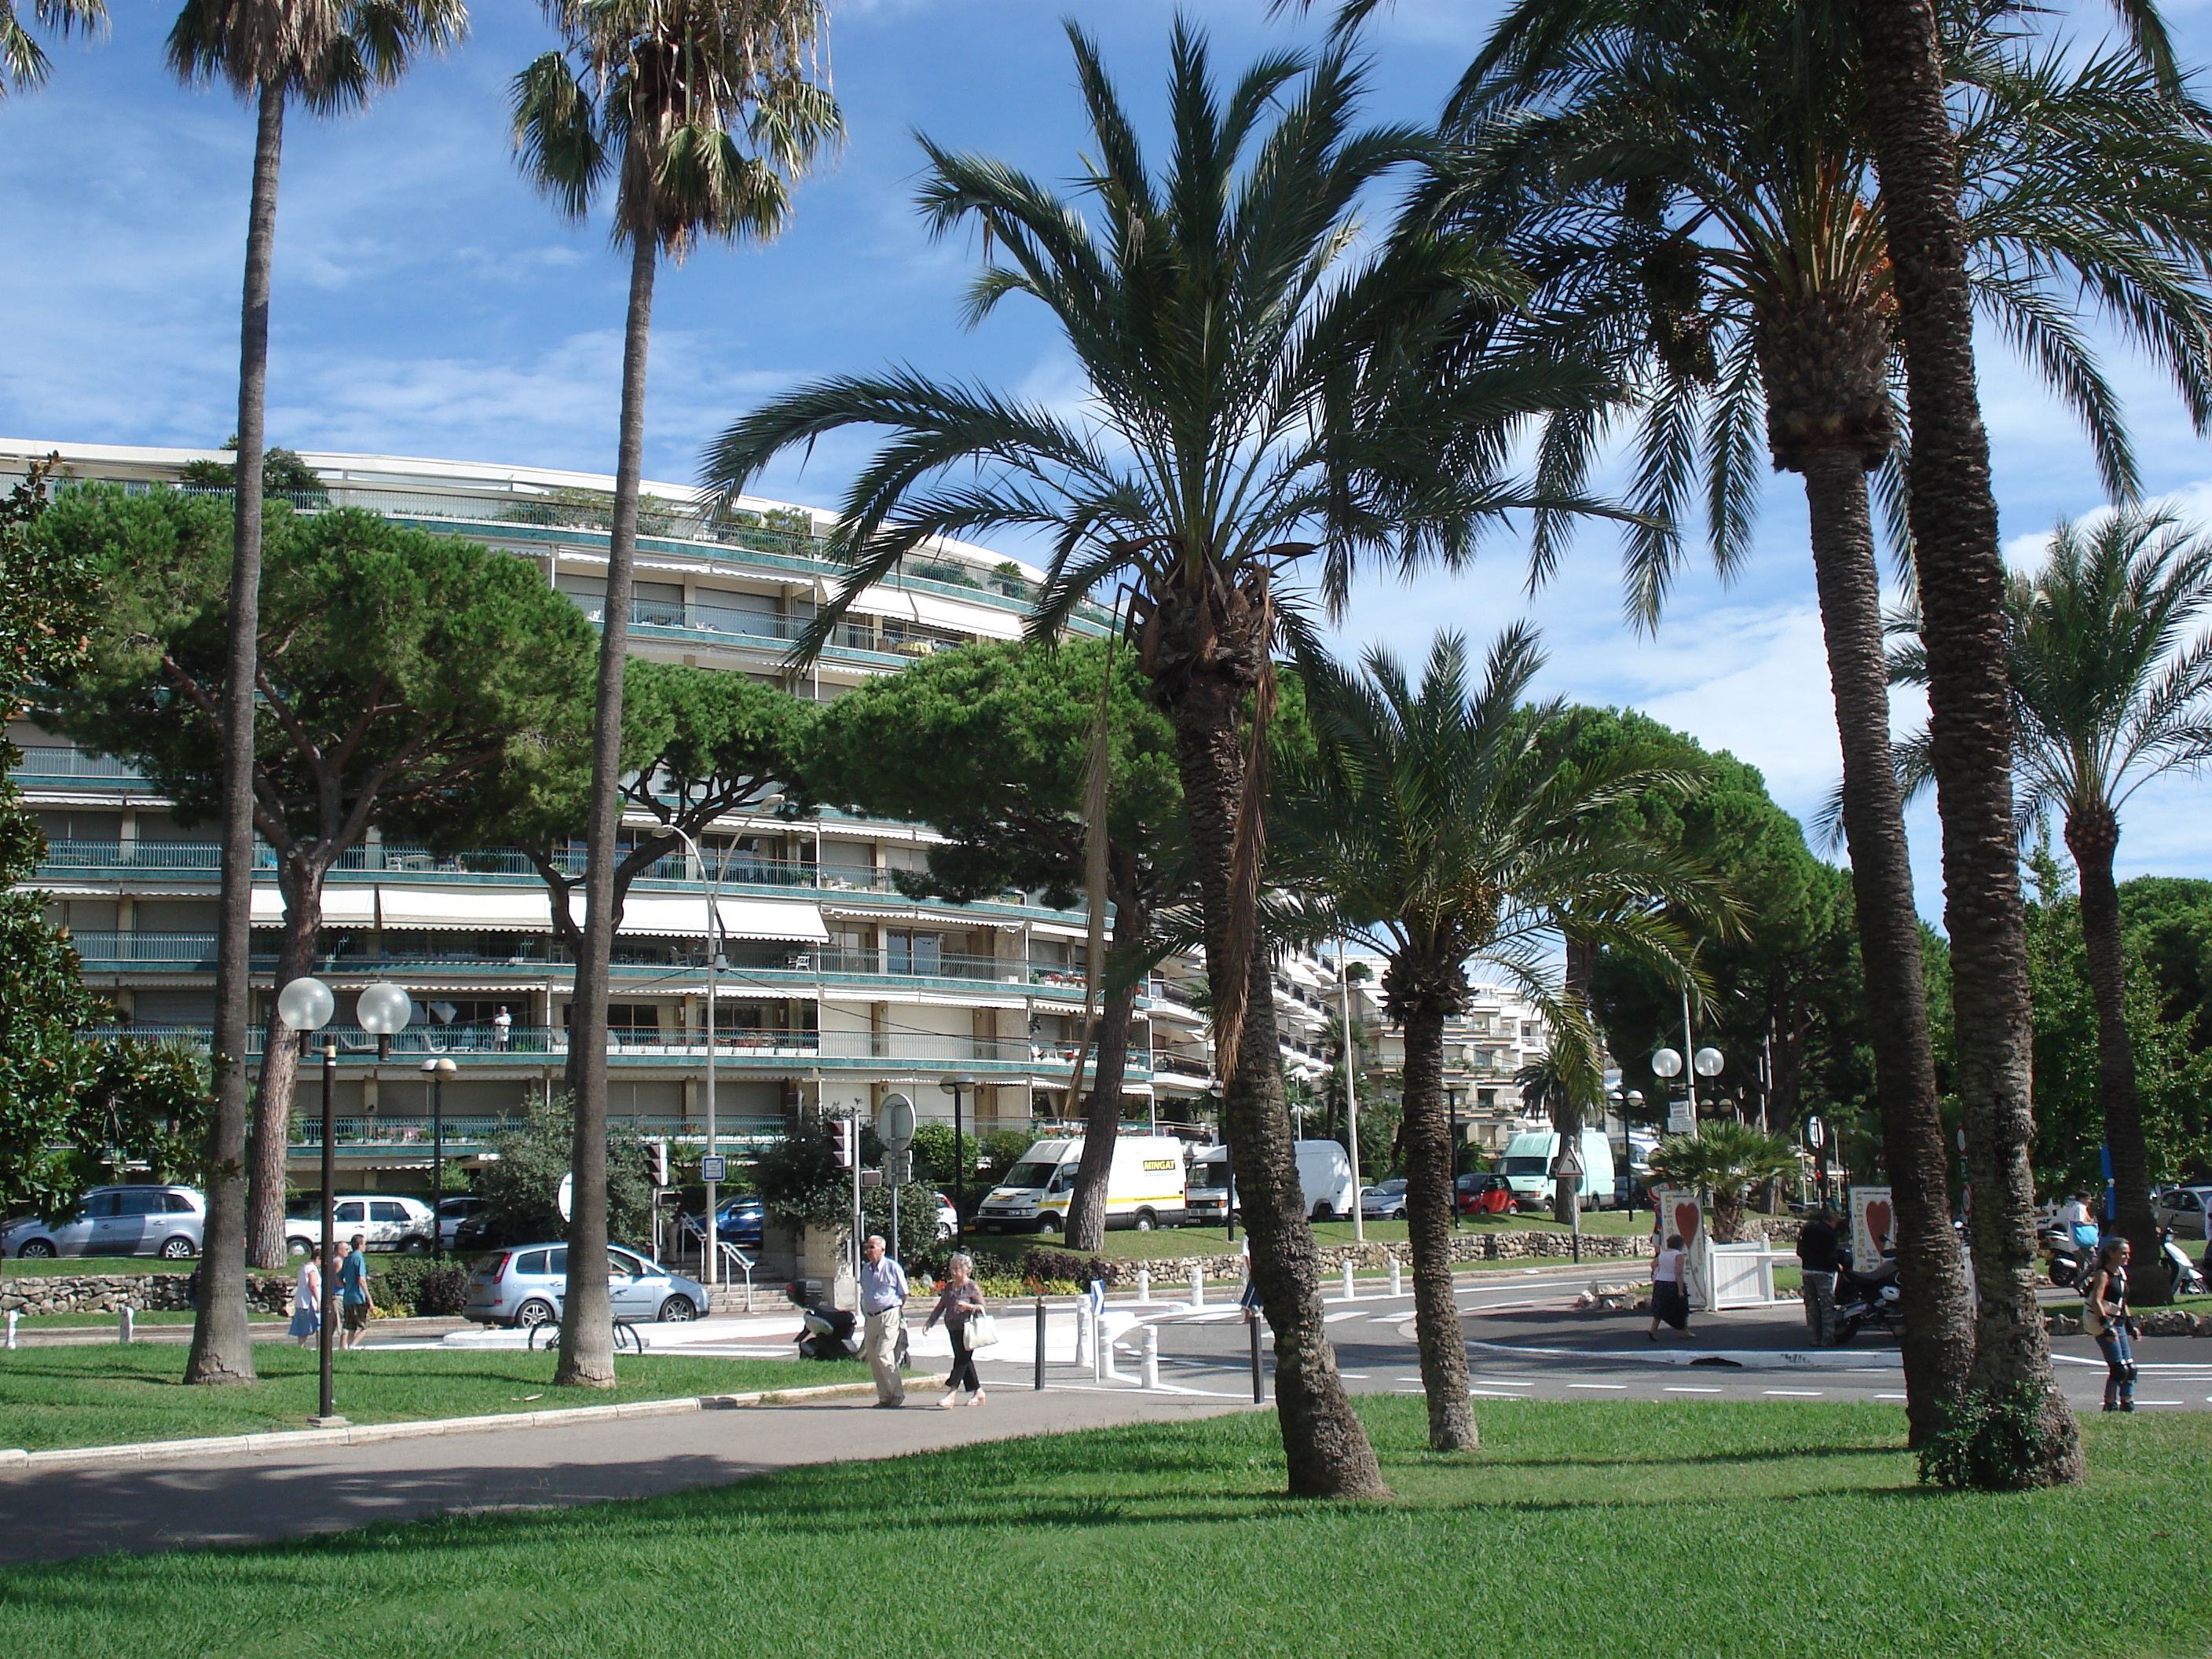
{"x": 1750, "y": 1359}
{"x": 362, "y": 1434}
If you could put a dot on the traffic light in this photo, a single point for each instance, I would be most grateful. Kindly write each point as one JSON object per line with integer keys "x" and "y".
{"x": 848, "y": 1131}
{"x": 659, "y": 1163}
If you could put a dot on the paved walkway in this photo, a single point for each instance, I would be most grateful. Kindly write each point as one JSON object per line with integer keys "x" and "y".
{"x": 231, "y": 1499}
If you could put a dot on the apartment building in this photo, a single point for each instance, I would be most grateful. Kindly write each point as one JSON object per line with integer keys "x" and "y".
{"x": 1484, "y": 1048}
{"x": 837, "y": 987}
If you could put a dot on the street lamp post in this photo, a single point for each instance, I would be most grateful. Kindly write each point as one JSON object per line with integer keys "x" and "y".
{"x": 306, "y": 1005}
{"x": 438, "y": 1071}
{"x": 953, "y": 1086}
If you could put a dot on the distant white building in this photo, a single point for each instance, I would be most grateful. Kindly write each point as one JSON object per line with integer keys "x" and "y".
{"x": 1500, "y": 1033}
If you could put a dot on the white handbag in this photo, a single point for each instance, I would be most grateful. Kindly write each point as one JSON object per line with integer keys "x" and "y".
{"x": 981, "y": 1332}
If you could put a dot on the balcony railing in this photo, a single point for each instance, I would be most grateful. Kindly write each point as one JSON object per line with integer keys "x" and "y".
{"x": 54, "y": 761}
{"x": 390, "y": 1130}
{"x": 486, "y": 1042}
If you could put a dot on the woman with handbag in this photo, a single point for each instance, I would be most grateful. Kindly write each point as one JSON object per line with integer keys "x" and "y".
{"x": 2104, "y": 1315}
{"x": 960, "y": 1305}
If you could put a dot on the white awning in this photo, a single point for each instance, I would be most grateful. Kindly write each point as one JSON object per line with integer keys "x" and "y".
{"x": 1061, "y": 930}
{"x": 987, "y": 620}
{"x": 667, "y": 917}
{"x": 343, "y": 907}
{"x": 488, "y": 908}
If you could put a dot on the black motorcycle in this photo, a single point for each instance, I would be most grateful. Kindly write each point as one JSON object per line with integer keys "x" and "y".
{"x": 1865, "y": 1299}
{"x": 2062, "y": 1258}
{"x": 830, "y": 1333}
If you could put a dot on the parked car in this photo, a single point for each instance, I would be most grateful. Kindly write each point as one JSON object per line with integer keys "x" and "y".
{"x": 451, "y": 1212}
{"x": 1490, "y": 1194}
{"x": 2184, "y": 1209}
{"x": 167, "y": 1222}
{"x": 948, "y": 1218}
{"x": 736, "y": 1221}
{"x": 525, "y": 1288}
{"x": 386, "y": 1221}
{"x": 1384, "y": 1201}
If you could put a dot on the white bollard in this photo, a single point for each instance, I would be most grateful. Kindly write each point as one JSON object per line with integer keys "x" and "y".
{"x": 1198, "y": 1287}
{"x": 1349, "y": 1293}
{"x": 123, "y": 1332}
{"x": 1394, "y": 1289}
{"x": 11, "y": 1328}
{"x": 1108, "y": 1371}
{"x": 1083, "y": 1333}
{"x": 1144, "y": 1284}
{"x": 1150, "y": 1375}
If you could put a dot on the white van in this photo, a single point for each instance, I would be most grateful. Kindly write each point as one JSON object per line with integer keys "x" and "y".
{"x": 1144, "y": 1189}
{"x": 1324, "y": 1176}
{"x": 1527, "y": 1167}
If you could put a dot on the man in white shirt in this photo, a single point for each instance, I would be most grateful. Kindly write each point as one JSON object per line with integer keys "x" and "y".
{"x": 2080, "y": 1225}
{"x": 883, "y": 1299}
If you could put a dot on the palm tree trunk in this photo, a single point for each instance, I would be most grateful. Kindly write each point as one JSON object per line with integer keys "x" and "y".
{"x": 222, "y": 1346}
{"x": 1429, "y": 1199}
{"x": 1938, "y": 1342}
{"x": 280, "y": 1069}
{"x": 1566, "y": 1107}
{"x": 1086, "y": 1207}
{"x": 1323, "y": 1442}
{"x": 2093, "y": 836}
{"x": 1961, "y": 572}
{"x": 587, "y": 1358}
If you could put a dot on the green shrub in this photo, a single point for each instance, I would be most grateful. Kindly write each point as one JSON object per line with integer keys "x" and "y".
{"x": 1063, "y": 1266}
{"x": 417, "y": 1285}
{"x": 1996, "y": 1440}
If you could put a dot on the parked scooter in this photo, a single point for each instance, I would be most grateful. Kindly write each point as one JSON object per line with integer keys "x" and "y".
{"x": 2062, "y": 1257}
{"x": 2187, "y": 1279}
{"x": 832, "y": 1334}
{"x": 1865, "y": 1299}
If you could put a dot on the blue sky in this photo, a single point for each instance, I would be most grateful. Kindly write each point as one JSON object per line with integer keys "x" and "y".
{"x": 426, "y": 303}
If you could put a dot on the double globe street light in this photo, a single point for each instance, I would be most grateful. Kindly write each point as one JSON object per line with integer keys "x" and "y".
{"x": 306, "y": 1006}
{"x": 1667, "y": 1064}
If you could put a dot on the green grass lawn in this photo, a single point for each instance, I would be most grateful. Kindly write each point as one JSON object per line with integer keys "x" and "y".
{"x": 143, "y": 1317}
{"x": 1174, "y": 1242}
{"x": 72, "y": 1266}
{"x": 1777, "y": 1529}
{"x": 101, "y": 1395}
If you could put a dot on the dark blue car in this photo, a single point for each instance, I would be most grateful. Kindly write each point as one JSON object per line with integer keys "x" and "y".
{"x": 737, "y": 1220}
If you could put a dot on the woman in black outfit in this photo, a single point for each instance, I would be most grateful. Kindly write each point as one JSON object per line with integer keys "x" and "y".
{"x": 2104, "y": 1315}
{"x": 957, "y": 1302}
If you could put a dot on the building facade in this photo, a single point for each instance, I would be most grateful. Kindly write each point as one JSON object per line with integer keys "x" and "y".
{"x": 837, "y": 987}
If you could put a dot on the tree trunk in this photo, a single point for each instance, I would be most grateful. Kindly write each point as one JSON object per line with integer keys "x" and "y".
{"x": 2093, "y": 836}
{"x": 222, "y": 1346}
{"x": 1961, "y": 579}
{"x": 302, "y": 886}
{"x": 1938, "y": 1342}
{"x": 1429, "y": 1200}
{"x": 1086, "y": 1205}
{"x": 1203, "y": 665}
{"x": 587, "y": 1358}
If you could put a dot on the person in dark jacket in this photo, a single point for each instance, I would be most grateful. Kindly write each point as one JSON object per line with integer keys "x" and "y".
{"x": 1816, "y": 1253}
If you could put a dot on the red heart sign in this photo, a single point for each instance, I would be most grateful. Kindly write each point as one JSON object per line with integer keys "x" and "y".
{"x": 1879, "y": 1220}
{"x": 1686, "y": 1217}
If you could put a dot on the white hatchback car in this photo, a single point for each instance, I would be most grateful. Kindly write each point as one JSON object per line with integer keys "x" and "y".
{"x": 387, "y": 1221}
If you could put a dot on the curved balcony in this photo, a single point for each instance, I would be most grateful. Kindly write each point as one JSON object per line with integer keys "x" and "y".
{"x": 802, "y": 969}
{"x": 775, "y": 1053}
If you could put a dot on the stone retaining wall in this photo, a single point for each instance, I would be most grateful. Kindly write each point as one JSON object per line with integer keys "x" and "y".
{"x": 2152, "y": 1321}
{"x": 1376, "y": 1257}
{"x": 30, "y": 1294}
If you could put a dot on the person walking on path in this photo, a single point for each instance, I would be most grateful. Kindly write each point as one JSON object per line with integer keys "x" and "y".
{"x": 2104, "y": 1315}
{"x": 306, "y": 1303}
{"x": 1670, "y": 1300}
{"x": 1816, "y": 1253}
{"x": 353, "y": 1292}
{"x": 957, "y": 1303}
{"x": 883, "y": 1302}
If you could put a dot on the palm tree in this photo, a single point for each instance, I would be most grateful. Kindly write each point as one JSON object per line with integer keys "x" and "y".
{"x": 331, "y": 56}
{"x": 703, "y": 112}
{"x": 1241, "y": 420}
{"x": 1960, "y": 567}
{"x": 1702, "y": 208}
{"x": 1726, "y": 1159}
{"x": 2108, "y": 692}
{"x": 1435, "y": 825}
{"x": 22, "y": 60}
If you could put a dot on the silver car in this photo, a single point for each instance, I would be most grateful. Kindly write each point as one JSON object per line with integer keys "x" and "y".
{"x": 167, "y": 1222}
{"x": 524, "y": 1287}
{"x": 2184, "y": 1209}
{"x": 1384, "y": 1201}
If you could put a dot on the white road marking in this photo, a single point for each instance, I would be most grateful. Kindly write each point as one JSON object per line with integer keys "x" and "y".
{"x": 1495, "y": 1394}
{"x": 1610, "y": 1387}
{"x": 2159, "y": 1402}
{"x": 1795, "y": 1393}
{"x": 1683, "y": 1389}
{"x": 1335, "y": 1318}
{"x": 1507, "y": 1382}
{"x": 1889, "y": 1396}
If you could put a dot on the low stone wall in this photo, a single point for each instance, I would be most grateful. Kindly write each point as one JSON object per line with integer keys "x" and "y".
{"x": 1376, "y": 1257}
{"x": 2152, "y": 1321}
{"x": 29, "y": 1294}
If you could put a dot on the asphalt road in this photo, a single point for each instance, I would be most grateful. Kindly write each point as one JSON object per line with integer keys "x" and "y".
{"x": 1527, "y": 1341}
